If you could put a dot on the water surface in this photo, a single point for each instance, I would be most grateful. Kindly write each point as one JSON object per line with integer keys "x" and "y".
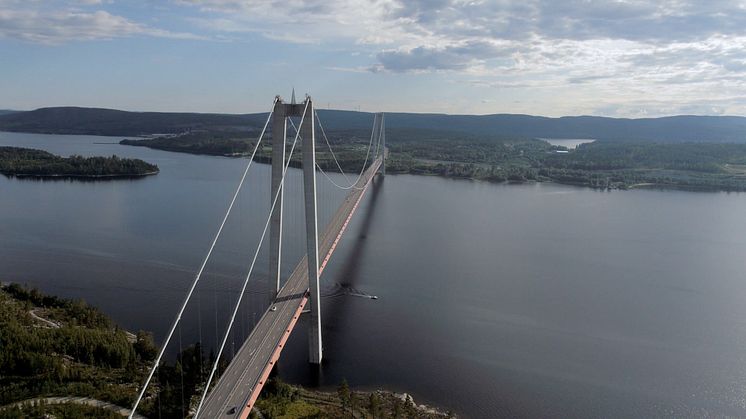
{"x": 568, "y": 143}
{"x": 522, "y": 300}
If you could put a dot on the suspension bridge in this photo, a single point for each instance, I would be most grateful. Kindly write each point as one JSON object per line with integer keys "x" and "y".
{"x": 240, "y": 384}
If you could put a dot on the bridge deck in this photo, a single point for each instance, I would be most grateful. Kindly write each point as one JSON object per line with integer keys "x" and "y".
{"x": 240, "y": 384}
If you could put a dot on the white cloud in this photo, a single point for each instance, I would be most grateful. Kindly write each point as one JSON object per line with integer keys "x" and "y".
{"x": 362, "y": 22}
{"x": 595, "y": 54}
{"x": 436, "y": 34}
{"x": 599, "y": 53}
{"x": 29, "y": 22}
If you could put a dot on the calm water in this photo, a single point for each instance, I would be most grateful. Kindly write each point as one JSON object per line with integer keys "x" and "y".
{"x": 494, "y": 300}
{"x": 568, "y": 143}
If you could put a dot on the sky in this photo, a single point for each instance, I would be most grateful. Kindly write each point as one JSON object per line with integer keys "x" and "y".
{"x": 624, "y": 58}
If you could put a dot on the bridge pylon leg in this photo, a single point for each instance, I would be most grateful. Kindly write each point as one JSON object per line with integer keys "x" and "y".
{"x": 383, "y": 144}
{"x": 279, "y": 134}
{"x": 312, "y": 236}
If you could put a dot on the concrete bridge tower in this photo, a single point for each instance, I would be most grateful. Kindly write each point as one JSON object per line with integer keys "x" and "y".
{"x": 282, "y": 111}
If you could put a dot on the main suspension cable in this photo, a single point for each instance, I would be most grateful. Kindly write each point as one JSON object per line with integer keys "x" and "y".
{"x": 353, "y": 185}
{"x": 201, "y": 269}
{"x": 323, "y": 133}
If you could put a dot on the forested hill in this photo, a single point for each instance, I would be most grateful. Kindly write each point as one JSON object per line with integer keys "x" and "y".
{"x": 683, "y": 128}
{"x": 71, "y": 120}
{"x": 95, "y": 121}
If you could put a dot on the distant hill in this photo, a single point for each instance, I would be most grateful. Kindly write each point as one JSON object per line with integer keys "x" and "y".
{"x": 95, "y": 121}
{"x": 683, "y": 128}
{"x": 6, "y": 111}
{"x": 72, "y": 120}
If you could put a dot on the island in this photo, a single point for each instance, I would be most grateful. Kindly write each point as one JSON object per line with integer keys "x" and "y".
{"x": 27, "y": 162}
{"x": 65, "y": 358}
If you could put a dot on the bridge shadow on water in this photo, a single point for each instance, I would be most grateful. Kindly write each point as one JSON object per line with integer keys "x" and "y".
{"x": 348, "y": 272}
{"x": 340, "y": 285}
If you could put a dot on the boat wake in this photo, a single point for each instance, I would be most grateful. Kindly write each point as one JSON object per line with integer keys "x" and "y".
{"x": 341, "y": 290}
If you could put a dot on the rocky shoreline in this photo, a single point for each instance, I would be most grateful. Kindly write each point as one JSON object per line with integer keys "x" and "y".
{"x": 291, "y": 401}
